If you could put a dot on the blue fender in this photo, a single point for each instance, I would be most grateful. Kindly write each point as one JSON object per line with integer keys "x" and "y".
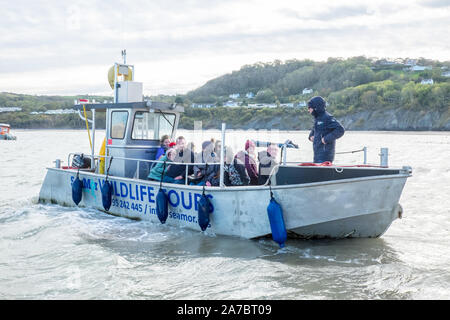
{"x": 77, "y": 190}
{"x": 162, "y": 206}
{"x": 275, "y": 213}
{"x": 204, "y": 209}
{"x": 106, "y": 195}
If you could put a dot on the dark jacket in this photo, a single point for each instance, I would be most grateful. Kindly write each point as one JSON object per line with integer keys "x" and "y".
{"x": 327, "y": 127}
{"x": 266, "y": 164}
{"x": 240, "y": 168}
{"x": 249, "y": 164}
{"x": 176, "y": 170}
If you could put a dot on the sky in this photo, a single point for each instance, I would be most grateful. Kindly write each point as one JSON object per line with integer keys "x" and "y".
{"x": 59, "y": 47}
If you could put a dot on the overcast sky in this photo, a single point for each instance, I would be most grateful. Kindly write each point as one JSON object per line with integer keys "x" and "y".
{"x": 66, "y": 47}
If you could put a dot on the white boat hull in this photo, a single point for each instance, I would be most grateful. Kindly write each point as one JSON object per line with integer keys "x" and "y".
{"x": 358, "y": 207}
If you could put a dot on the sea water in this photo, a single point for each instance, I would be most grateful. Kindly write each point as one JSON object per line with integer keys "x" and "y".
{"x": 55, "y": 252}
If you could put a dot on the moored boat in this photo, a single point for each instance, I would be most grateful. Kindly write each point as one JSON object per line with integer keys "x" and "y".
{"x": 5, "y": 132}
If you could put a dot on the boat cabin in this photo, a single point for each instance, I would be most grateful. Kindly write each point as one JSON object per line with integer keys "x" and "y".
{"x": 133, "y": 131}
{"x": 4, "y": 128}
{"x": 134, "y": 127}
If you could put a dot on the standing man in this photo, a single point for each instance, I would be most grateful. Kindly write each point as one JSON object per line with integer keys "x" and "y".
{"x": 325, "y": 131}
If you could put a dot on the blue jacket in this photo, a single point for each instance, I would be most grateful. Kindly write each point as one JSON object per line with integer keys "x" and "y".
{"x": 157, "y": 170}
{"x": 327, "y": 127}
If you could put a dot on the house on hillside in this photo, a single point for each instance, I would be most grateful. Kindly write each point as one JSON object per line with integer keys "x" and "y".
{"x": 10, "y": 109}
{"x": 411, "y": 62}
{"x": 307, "y": 91}
{"x": 420, "y": 68}
{"x": 199, "y": 105}
{"x": 249, "y": 95}
{"x": 234, "y": 96}
{"x": 231, "y": 103}
{"x": 427, "y": 81}
{"x": 446, "y": 74}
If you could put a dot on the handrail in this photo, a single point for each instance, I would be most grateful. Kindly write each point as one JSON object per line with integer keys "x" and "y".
{"x": 364, "y": 149}
{"x": 138, "y": 161}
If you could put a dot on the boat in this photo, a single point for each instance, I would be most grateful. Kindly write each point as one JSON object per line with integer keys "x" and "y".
{"x": 310, "y": 200}
{"x": 5, "y": 132}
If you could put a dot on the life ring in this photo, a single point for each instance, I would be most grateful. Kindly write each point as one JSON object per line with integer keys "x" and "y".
{"x": 126, "y": 77}
{"x": 312, "y": 164}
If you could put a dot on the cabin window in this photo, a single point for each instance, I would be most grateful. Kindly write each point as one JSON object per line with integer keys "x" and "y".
{"x": 152, "y": 125}
{"x": 118, "y": 124}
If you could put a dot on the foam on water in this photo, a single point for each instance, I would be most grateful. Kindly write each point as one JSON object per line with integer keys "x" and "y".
{"x": 55, "y": 252}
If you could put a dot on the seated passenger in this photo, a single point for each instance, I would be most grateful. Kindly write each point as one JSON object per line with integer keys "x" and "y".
{"x": 267, "y": 161}
{"x": 206, "y": 156}
{"x": 217, "y": 147}
{"x": 157, "y": 170}
{"x": 213, "y": 179}
{"x": 246, "y": 159}
{"x": 177, "y": 172}
{"x": 165, "y": 142}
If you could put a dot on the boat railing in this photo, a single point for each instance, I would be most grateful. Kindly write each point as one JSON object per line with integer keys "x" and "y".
{"x": 96, "y": 158}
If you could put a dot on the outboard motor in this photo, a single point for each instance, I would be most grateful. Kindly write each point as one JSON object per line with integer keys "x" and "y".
{"x": 77, "y": 189}
{"x": 275, "y": 213}
{"x": 80, "y": 161}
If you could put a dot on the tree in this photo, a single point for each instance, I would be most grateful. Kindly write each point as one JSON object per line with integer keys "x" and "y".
{"x": 265, "y": 96}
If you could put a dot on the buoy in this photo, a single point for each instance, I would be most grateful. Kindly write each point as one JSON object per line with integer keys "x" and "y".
{"x": 162, "y": 201}
{"x": 77, "y": 190}
{"x": 275, "y": 213}
{"x": 204, "y": 209}
{"x": 107, "y": 195}
{"x": 106, "y": 190}
{"x": 127, "y": 76}
{"x": 162, "y": 206}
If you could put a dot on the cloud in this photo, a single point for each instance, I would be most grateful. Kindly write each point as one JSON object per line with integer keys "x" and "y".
{"x": 435, "y": 3}
{"x": 179, "y": 45}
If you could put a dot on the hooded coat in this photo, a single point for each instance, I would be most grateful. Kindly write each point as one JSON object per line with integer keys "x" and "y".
{"x": 326, "y": 127}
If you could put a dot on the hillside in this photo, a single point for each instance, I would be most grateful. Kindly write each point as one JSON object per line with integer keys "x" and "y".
{"x": 364, "y": 94}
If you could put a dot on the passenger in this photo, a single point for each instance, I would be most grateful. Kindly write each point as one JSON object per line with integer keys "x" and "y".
{"x": 191, "y": 146}
{"x": 157, "y": 170}
{"x": 325, "y": 131}
{"x": 177, "y": 172}
{"x": 267, "y": 161}
{"x": 246, "y": 159}
{"x": 207, "y": 156}
{"x": 217, "y": 147}
{"x": 231, "y": 176}
{"x": 165, "y": 142}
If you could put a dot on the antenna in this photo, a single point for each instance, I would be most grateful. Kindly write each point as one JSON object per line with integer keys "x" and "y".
{"x": 124, "y": 56}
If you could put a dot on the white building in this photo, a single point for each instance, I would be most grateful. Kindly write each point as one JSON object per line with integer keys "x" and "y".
{"x": 250, "y": 95}
{"x": 10, "y": 109}
{"x": 307, "y": 91}
{"x": 234, "y": 95}
{"x": 427, "y": 81}
{"x": 198, "y": 105}
{"x": 230, "y": 103}
{"x": 420, "y": 68}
